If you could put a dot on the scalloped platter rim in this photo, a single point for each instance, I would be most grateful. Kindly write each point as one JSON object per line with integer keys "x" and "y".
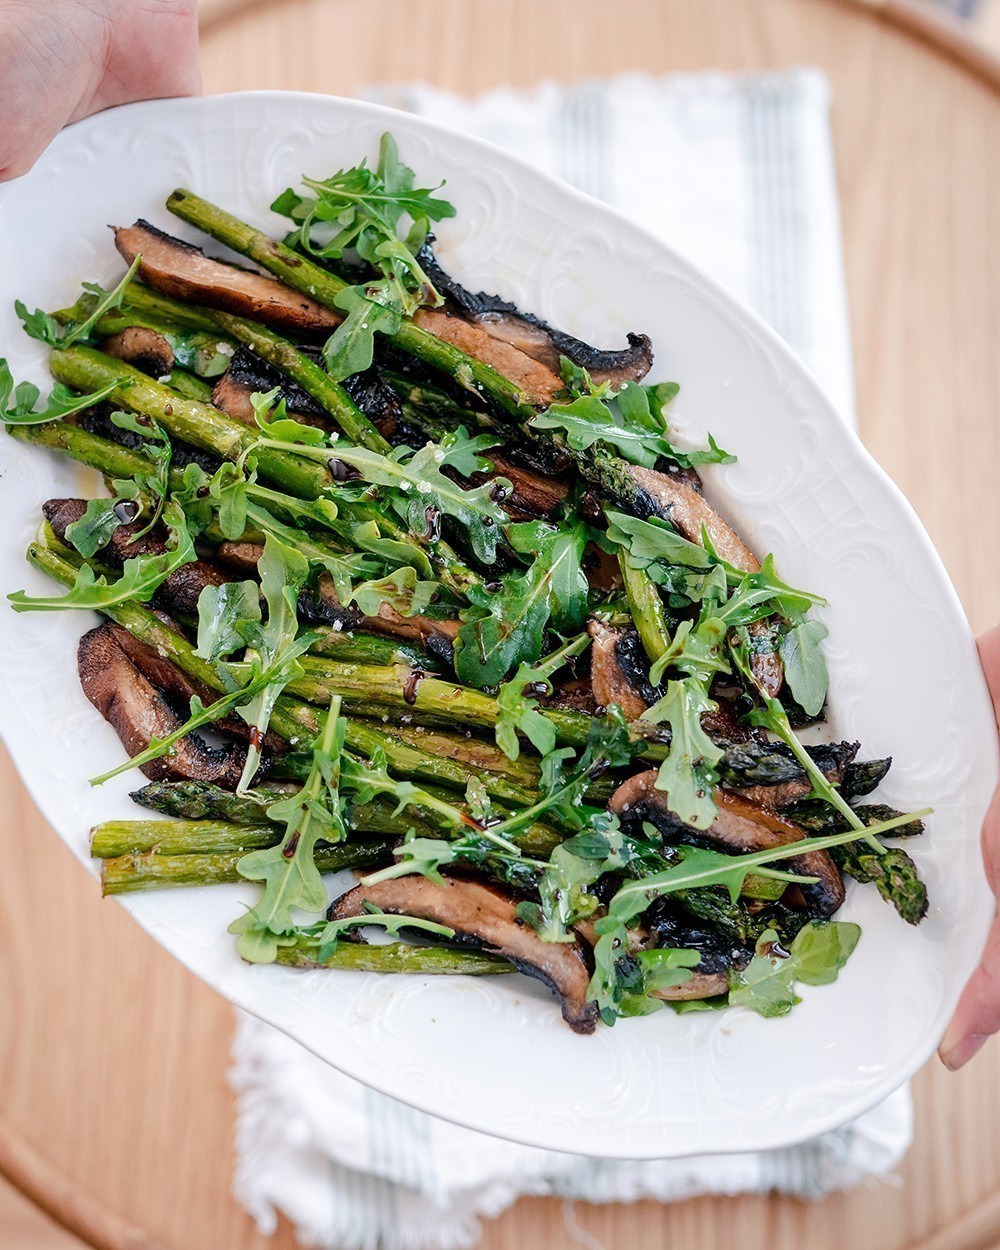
{"x": 803, "y": 488}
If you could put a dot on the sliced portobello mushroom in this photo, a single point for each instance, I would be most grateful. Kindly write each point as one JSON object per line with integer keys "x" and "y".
{"x": 184, "y": 271}
{"x": 323, "y": 607}
{"x": 538, "y": 383}
{"x": 618, "y": 672}
{"x": 142, "y": 347}
{"x": 739, "y": 825}
{"x": 536, "y": 338}
{"x": 671, "y": 497}
{"x": 140, "y": 713}
{"x": 669, "y": 925}
{"x": 178, "y": 592}
{"x": 485, "y": 917}
{"x": 247, "y": 375}
{"x": 532, "y": 495}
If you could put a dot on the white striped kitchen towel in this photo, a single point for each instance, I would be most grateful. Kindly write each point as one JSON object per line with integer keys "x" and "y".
{"x": 738, "y": 174}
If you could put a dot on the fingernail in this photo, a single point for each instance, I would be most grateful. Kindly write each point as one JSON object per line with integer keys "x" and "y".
{"x": 954, "y": 1057}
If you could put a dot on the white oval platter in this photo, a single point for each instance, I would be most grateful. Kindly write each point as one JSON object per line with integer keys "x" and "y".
{"x": 493, "y": 1053}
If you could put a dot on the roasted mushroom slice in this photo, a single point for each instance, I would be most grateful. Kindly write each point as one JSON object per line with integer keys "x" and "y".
{"x": 324, "y": 607}
{"x": 538, "y": 383}
{"x": 146, "y": 349}
{"x": 139, "y": 713}
{"x": 178, "y": 592}
{"x": 617, "y": 674}
{"x": 739, "y": 825}
{"x": 536, "y": 338}
{"x": 485, "y": 917}
{"x": 248, "y": 375}
{"x": 670, "y": 926}
{"x": 184, "y": 271}
{"x": 671, "y": 497}
{"x": 532, "y": 495}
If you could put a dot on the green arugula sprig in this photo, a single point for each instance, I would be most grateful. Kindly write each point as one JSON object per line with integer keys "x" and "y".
{"x": 140, "y": 577}
{"x": 103, "y": 516}
{"x": 39, "y": 325}
{"x": 517, "y": 701}
{"x": 505, "y": 624}
{"x": 815, "y": 957}
{"x": 393, "y": 924}
{"x": 625, "y": 421}
{"x": 365, "y": 211}
{"x": 291, "y": 878}
{"x": 18, "y": 403}
{"x": 772, "y": 716}
{"x": 274, "y": 645}
{"x": 422, "y": 493}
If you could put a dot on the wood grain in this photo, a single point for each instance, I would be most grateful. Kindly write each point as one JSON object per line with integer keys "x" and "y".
{"x": 115, "y": 1114}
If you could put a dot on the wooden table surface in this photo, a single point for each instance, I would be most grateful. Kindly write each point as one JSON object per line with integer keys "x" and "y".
{"x": 115, "y": 1114}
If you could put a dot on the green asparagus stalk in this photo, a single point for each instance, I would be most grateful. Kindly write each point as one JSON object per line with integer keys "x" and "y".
{"x": 306, "y": 276}
{"x": 354, "y": 646}
{"x": 189, "y": 385}
{"x": 127, "y": 874}
{"x": 86, "y": 369}
{"x": 411, "y": 692}
{"x": 142, "y": 307}
{"x": 394, "y": 957}
{"x": 215, "y": 821}
{"x": 285, "y": 356}
{"x": 179, "y": 837}
{"x": 204, "y": 801}
{"x": 646, "y": 608}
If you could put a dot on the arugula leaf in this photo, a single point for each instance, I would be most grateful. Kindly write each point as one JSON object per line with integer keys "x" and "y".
{"x": 17, "y": 403}
{"x": 224, "y": 614}
{"x": 696, "y": 649}
{"x": 654, "y": 540}
{"x": 270, "y": 412}
{"x": 422, "y": 494}
{"x": 158, "y": 450}
{"x": 815, "y": 957}
{"x": 392, "y": 923}
{"x": 39, "y": 325}
{"x": 102, "y": 517}
{"x": 805, "y": 665}
{"x": 659, "y": 969}
{"x": 631, "y": 426}
{"x": 579, "y": 382}
{"x": 106, "y": 301}
{"x": 402, "y": 591}
{"x": 573, "y": 866}
{"x": 518, "y": 706}
{"x": 588, "y": 420}
{"x": 687, "y": 776}
{"x": 365, "y": 210}
{"x": 370, "y": 309}
{"x": 563, "y": 785}
{"x": 661, "y": 395}
{"x": 291, "y": 878}
{"x": 141, "y": 575}
{"x": 273, "y": 646}
{"x": 505, "y": 627}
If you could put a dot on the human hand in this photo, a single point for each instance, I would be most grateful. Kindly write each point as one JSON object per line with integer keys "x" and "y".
{"x": 978, "y": 1012}
{"x": 61, "y": 60}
